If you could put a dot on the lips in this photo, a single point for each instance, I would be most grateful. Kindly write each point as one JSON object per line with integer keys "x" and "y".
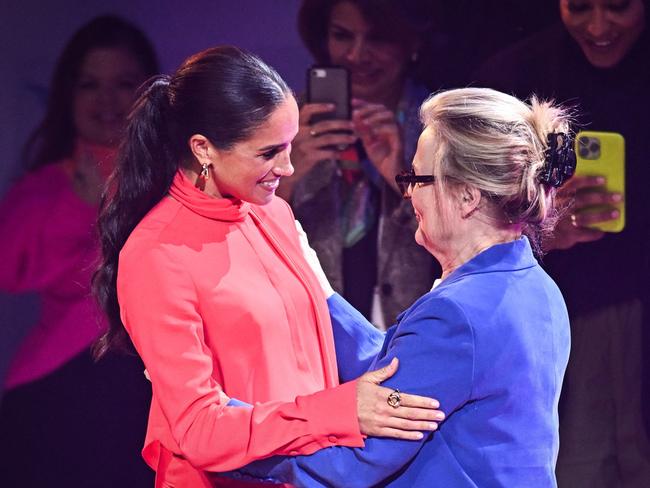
{"x": 601, "y": 44}
{"x": 270, "y": 185}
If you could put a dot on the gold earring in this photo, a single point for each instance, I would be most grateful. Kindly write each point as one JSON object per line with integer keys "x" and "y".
{"x": 204, "y": 171}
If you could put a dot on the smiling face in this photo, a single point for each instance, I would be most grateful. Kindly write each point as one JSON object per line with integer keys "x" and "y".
{"x": 605, "y": 29}
{"x": 377, "y": 66}
{"x": 103, "y": 94}
{"x": 433, "y": 204}
{"x": 251, "y": 169}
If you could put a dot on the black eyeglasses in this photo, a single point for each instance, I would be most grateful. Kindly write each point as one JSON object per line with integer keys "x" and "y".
{"x": 405, "y": 179}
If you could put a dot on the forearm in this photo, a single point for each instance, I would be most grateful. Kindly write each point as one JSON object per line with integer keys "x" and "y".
{"x": 220, "y": 438}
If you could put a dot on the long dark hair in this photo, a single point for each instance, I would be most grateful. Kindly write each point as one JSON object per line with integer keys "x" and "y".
{"x": 222, "y": 93}
{"x": 53, "y": 139}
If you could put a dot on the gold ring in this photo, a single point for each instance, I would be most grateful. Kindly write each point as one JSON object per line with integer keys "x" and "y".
{"x": 394, "y": 399}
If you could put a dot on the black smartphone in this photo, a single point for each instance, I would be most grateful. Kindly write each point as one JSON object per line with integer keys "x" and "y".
{"x": 329, "y": 84}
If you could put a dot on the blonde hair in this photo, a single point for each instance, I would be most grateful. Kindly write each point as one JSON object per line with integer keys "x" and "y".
{"x": 498, "y": 144}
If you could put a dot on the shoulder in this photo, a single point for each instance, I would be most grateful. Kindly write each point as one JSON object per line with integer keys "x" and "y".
{"x": 42, "y": 184}
{"x": 144, "y": 246}
{"x": 435, "y": 313}
{"x": 32, "y": 199}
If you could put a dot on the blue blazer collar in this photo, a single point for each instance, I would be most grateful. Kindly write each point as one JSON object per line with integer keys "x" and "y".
{"x": 510, "y": 256}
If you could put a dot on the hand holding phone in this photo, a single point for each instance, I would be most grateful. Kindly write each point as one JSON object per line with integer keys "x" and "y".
{"x": 594, "y": 197}
{"x": 601, "y": 162}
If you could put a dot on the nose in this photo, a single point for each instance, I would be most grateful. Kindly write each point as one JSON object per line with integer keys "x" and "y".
{"x": 598, "y": 23}
{"x": 284, "y": 166}
{"x": 357, "y": 50}
{"x": 408, "y": 191}
{"x": 107, "y": 95}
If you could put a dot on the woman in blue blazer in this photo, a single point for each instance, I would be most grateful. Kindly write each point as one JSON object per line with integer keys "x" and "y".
{"x": 491, "y": 339}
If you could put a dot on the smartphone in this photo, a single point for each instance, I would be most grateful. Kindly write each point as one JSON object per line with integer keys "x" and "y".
{"x": 603, "y": 154}
{"x": 329, "y": 84}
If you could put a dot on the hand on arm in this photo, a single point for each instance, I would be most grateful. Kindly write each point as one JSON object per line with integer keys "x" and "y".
{"x": 436, "y": 347}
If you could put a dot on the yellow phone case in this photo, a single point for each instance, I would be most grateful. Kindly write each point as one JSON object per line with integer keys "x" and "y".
{"x": 603, "y": 154}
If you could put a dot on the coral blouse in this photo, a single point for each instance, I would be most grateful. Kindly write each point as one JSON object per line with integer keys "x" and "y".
{"x": 217, "y": 298}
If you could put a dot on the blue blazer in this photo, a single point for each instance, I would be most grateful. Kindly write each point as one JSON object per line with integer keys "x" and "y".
{"x": 491, "y": 342}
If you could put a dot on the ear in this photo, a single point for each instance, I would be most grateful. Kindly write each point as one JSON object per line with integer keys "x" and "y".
{"x": 202, "y": 149}
{"x": 470, "y": 199}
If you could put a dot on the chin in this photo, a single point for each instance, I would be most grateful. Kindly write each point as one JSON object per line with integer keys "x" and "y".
{"x": 419, "y": 238}
{"x": 603, "y": 61}
{"x": 261, "y": 200}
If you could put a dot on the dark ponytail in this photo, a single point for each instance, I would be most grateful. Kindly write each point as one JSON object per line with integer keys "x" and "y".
{"x": 143, "y": 175}
{"x": 222, "y": 93}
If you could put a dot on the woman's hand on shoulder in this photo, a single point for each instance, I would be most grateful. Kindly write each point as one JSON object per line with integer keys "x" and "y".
{"x": 381, "y": 137}
{"x": 412, "y": 415}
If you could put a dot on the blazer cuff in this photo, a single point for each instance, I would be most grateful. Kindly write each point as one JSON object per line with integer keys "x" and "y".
{"x": 333, "y": 415}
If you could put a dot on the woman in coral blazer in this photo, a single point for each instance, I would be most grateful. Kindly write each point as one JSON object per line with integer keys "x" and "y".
{"x": 202, "y": 266}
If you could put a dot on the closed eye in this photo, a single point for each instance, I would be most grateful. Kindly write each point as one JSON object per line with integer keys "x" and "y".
{"x": 269, "y": 152}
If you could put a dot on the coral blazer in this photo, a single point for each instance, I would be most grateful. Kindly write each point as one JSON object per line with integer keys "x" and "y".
{"x": 216, "y": 296}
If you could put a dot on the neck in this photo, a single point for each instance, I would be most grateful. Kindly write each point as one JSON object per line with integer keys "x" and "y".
{"x": 207, "y": 186}
{"x": 464, "y": 251}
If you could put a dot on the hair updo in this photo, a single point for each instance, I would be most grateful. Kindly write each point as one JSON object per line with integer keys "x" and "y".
{"x": 500, "y": 145}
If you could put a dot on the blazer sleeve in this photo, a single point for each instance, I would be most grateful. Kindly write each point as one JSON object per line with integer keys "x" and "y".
{"x": 435, "y": 346}
{"x": 160, "y": 310}
{"x": 356, "y": 340}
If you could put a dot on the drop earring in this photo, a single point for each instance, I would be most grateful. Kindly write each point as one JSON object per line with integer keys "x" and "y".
{"x": 204, "y": 171}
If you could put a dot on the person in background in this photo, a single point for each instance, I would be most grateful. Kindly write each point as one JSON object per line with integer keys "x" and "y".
{"x": 596, "y": 58}
{"x": 491, "y": 338}
{"x": 63, "y": 413}
{"x": 347, "y": 200}
{"x": 203, "y": 268}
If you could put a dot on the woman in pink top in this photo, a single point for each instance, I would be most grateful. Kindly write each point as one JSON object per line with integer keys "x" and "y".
{"x": 58, "y": 401}
{"x": 203, "y": 268}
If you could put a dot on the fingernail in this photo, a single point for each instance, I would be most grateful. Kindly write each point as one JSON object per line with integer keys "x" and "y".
{"x": 433, "y": 426}
{"x": 440, "y": 416}
{"x": 617, "y": 197}
{"x": 435, "y": 403}
{"x": 614, "y": 214}
{"x": 600, "y": 180}
{"x": 331, "y": 106}
{"x": 419, "y": 435}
